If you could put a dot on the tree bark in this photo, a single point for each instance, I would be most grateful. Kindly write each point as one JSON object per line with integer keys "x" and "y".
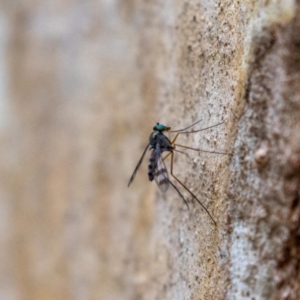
{"x": 82, "y": 86}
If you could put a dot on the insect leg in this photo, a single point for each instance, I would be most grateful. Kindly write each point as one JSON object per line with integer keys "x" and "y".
{"x": 193, "y": 131}
{"x": 175, "y": 138}
{"x": 187, "y": 127}
{"x": 167, "y": 155}
{"x": 216, "y": 152}
{"x": 191, "y": 193}
{"x": 174, "y": 186}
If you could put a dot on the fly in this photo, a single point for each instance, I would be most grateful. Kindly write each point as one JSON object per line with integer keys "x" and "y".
{"x": 157, "y": 170}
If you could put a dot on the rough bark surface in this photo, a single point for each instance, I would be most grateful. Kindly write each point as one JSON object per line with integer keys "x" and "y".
{"x": 82, "y": 85}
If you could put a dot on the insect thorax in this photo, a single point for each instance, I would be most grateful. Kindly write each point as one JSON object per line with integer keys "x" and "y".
{"x": 158, "y": 137}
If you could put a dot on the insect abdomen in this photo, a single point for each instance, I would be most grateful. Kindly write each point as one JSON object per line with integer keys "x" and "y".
{"x": 151, "y": 166}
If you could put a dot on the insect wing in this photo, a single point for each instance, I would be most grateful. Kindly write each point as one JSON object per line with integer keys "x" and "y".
{"x": 161, "y": 175}
{"x": 137, "y": 166}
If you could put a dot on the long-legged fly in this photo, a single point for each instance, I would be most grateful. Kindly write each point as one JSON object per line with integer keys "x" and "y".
{"x": 157, "y": 170}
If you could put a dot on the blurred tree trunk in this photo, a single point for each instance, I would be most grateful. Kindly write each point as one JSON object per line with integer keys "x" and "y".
{"x": 81, "y": 87}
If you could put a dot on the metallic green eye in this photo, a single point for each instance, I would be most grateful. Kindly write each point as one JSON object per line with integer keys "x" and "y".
{"x": 160, "y": 127}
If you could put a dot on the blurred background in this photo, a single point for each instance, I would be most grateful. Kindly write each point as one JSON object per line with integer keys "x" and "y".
{"x": 74, "y": 105}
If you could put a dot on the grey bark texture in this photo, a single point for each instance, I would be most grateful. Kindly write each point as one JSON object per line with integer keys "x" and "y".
{"x": 82, "y": 85}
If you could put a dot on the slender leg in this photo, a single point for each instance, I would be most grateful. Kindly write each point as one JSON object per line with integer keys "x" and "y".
{"x": 192, "y": 194}
{"x": 182, "y": 130}
{"x": 167, "y": 155}
{"x": 216, "y": 152}
{"x": 177, "y": 134}
{"x": 175, "y": 187}
{"x": 175, "y": 138}
{"x": 194, "y": 131}
{"x": 187, "y": 127}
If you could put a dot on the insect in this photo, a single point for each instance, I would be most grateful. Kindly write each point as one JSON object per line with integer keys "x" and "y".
{"x": 159, "y": 143}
